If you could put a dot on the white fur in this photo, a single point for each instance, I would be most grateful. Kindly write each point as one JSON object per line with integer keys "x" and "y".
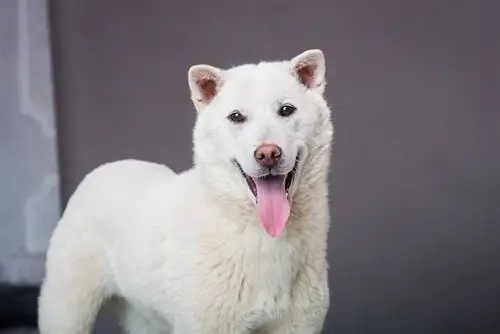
{"x": 185, "y": 254}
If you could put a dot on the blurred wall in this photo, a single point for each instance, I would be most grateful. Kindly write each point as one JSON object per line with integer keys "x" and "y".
{"x": 414, "y": 86}
{"x": 29, "y": 178}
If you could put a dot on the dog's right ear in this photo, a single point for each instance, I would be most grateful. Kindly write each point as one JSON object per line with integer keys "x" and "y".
{"x": 205, "y": 82}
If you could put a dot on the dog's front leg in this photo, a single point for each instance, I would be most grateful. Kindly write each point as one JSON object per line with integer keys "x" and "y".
{"x": 307, "y": 313}
{"x": 297, "y": 328}
{"x": 307, "y": 321}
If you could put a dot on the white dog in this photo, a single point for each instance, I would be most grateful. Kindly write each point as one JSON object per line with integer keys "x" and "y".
{"x": 236, "y": 244}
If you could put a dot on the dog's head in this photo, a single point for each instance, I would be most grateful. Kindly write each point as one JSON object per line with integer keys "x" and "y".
{"x": 260, "y": 129}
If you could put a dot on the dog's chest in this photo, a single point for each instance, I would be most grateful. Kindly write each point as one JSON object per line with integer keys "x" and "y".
{"x": 257, "y": 281}
{"x": 266, "y": 296}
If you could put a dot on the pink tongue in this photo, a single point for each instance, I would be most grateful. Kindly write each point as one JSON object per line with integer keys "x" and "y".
{"x": 272, "y": 204}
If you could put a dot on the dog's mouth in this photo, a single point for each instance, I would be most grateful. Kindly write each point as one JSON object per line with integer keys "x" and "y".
{"x": 272, "y": 193}
{"x": 286, "y": 179}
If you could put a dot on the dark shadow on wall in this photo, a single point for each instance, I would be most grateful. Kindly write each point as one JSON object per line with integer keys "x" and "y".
{"x": 18, "y": 306}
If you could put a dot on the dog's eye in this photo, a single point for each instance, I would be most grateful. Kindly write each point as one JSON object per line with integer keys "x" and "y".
{"x": 286, "y": 110}
{"x": 237, "y": 117}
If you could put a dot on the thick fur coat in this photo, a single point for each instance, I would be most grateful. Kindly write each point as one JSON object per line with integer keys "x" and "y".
{"x": 214, "y": 249}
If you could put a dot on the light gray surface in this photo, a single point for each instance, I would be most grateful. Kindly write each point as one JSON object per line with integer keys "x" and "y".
{"x": 29, "y": 180}
{"x": 414, "y": 87}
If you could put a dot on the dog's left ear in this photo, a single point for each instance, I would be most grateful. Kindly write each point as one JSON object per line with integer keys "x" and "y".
{"x": 310, "y": 69}
{"x": 205, "y": 82}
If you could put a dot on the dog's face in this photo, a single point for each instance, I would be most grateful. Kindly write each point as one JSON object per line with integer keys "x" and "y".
{"x": 256, "y": 126}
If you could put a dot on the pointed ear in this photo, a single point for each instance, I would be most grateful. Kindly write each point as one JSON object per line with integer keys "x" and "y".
{"x": 310, "y": 69}
{"x": 205, "y": 82}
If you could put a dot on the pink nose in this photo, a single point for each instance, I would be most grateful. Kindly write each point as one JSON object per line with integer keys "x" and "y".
{"x": 268, "y": 155}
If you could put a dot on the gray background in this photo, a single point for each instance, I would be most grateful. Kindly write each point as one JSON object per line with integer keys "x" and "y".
{"x": 414, "y": 85}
